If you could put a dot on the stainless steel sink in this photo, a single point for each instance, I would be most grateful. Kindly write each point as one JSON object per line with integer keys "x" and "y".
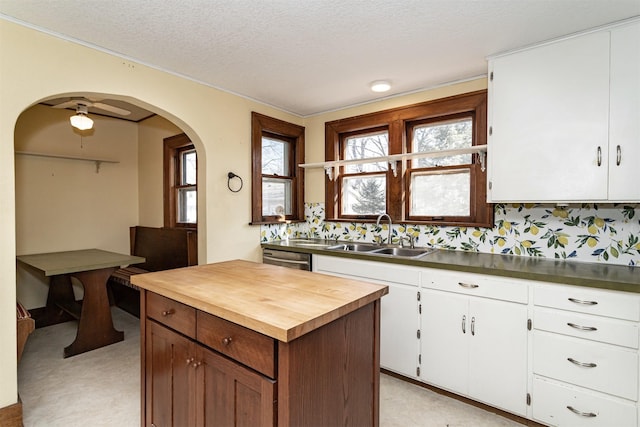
{"x": 392, "y": 251}
{"x": 403, "y": 252}
{"x": 354, "y": 247}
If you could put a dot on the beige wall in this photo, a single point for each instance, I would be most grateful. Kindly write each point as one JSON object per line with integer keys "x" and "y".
{"x": 35, "y": 66}
{"x": 151, "y": 132}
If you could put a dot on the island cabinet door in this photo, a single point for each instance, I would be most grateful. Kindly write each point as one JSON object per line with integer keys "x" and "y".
{"x": 229, "y": 394}
{"x": 170, "y": 378}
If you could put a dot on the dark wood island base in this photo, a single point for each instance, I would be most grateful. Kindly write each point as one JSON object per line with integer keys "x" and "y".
{"x": 200, "y": 368}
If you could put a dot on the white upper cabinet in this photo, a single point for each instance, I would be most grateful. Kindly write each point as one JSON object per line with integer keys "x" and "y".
{"x": 561, "y": 115}
{"x": 624, "y": 131}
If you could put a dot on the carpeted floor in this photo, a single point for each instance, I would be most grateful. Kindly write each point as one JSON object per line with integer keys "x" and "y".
{"x": 102, "y": 387}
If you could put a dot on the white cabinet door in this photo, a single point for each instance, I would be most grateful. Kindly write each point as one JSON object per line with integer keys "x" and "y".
{"x": 399, "y": 323}
{"x": 445, "y": 325}
{"x": 498, "y": 354}
{"x": 624, "y": 143}
{"x": 548, "y": 114}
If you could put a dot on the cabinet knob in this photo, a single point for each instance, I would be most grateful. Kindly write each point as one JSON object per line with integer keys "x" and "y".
{"x": 226, "y": 340}
{"x": 168, "y": 312}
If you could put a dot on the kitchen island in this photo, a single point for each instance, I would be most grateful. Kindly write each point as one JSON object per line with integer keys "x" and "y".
{"x": 243, "y": 343}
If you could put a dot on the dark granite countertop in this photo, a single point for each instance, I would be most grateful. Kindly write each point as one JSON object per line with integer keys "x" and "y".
{"x": 594, "y": 275}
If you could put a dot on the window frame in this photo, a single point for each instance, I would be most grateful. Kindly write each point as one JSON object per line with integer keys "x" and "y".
{"x": 397, "y": 121}
{"x": 262, "y": 125}
{"x": 174, "y": 147}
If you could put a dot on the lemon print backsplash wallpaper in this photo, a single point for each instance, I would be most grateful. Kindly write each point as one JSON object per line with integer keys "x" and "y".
{"x": 604, "y": 233}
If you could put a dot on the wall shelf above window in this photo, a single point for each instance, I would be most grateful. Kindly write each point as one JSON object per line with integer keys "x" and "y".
{"x": 393, "y": 159}
{"x": 98, "y": 162}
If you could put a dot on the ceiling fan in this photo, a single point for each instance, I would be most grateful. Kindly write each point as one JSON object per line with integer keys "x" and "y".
{"x": 86, "y": 104}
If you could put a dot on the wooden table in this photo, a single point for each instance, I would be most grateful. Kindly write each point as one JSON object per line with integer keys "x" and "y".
{"x": 92, "y": 268}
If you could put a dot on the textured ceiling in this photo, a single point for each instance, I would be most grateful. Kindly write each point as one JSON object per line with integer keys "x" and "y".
{"x": 312, "y": 56}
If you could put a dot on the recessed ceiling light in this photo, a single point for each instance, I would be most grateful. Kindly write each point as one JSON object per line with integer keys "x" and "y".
{"x": 380, "y": 86}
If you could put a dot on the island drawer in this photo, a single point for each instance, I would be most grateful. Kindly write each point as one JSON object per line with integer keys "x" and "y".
{"x": 173, "y": 314}
{"x": 248, "y": 347}
{"x": 602, "y": 367}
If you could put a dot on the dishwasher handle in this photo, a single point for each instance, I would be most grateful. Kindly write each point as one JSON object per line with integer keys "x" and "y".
{"x": 288, "y": 261}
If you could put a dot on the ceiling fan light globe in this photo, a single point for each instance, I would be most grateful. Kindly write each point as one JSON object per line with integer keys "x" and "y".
{"x": 81, "y": 122}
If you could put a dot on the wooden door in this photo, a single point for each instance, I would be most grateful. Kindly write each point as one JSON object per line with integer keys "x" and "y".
{"x": 170, "y": 378}
{"x": 229, "y": 394}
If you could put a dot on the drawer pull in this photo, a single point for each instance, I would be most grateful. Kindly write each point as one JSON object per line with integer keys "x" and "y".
{"x": 579, "y": 301}
{"x": 468, "y": 285}
{"x": 582, "y": 328}
{"x": 582, "y": 414}
{"x": 168, "y": 312}
{"x": 583, "y": 364}
{"x": 226, "y": 340}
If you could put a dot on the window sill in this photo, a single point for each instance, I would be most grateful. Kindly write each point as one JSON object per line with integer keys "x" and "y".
{"x": 286, "y": 221}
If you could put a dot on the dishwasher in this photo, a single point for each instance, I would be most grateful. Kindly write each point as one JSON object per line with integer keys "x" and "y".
{"x": 297, "y": 260}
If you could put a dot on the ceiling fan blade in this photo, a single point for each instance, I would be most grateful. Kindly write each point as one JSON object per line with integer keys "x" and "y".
{"x": 111, "y": 108}
{"x": 67, "y": 104}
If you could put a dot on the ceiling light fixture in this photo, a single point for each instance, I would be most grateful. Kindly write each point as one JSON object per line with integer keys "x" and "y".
{"x": 380, "y": 86}
{"x": 81, "y": 121}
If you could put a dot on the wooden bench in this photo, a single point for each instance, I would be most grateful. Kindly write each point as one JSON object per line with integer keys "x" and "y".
{"x": 163, "y": 249}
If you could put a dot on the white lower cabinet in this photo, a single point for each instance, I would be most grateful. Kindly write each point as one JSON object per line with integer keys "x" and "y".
{"x": 585, "y": 356}
{"x": 475, "y": 346}
{"x": 557, "y": 404}
{"x": 399, "y": 317}
{"x": 556, "y": 354}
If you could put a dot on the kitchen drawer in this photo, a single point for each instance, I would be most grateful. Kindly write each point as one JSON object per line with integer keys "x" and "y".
{"x": 615, "y": 371}
{"x": 173, "y": 314}
{"x": 587, "y": 326}
{"x": 513, "y": 290}
{"x": 248, "y": 347}
{"x": 550, "y": 401}
{"x": 620, "y": 305}
{"x": 382, "y": 272}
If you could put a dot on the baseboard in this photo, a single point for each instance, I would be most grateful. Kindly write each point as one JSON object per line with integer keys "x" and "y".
{"x": 11, "y": 416}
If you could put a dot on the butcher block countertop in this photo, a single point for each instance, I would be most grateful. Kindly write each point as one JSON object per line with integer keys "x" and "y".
{"x": 275, "y": 301}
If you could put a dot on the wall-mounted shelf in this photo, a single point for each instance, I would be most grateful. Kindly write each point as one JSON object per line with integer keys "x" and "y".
{"x": 393, "y": 159}
{"x": 98, "y": 162}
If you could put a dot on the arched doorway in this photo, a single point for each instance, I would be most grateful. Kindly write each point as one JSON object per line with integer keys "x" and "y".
{"x": 66, "y": 199}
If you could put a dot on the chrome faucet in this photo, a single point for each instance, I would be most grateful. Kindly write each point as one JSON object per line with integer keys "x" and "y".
{"x": 390, "y": 225}
{"x": 409, "y": 238}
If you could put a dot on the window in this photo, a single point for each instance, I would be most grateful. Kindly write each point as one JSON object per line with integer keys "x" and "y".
{"x": 180, "y": 182}
{"x": 364, "y": 185}
{"x": 278, "y": 182}
{"x": 447, "y": 190}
